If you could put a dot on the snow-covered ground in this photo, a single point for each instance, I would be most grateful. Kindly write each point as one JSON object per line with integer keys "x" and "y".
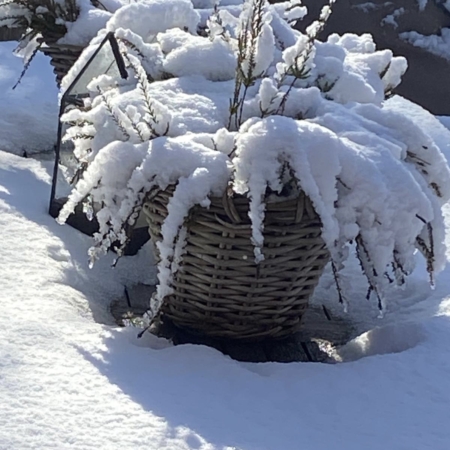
{"x": 69, "y": 379}
{"x": 28, "y": 114}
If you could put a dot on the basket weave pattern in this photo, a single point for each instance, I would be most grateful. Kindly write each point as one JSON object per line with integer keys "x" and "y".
{"x": 62, "y": 56}
{"x": 219, "y": 290}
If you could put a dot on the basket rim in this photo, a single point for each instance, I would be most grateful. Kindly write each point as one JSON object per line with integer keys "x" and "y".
{"x": 230, "y": 200}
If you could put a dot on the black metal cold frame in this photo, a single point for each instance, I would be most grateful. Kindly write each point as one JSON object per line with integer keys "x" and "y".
{"x": 79, "y": 220}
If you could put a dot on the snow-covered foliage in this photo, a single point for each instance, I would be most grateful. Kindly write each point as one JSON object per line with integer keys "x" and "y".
{"x": 437, "y": 44}
{"x": 422, "y": 4}
{"x": 391, "y": 19}
{"x": 258, "y": 106}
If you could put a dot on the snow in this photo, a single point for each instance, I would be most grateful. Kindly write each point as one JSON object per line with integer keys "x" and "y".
{"x": 291, "y": 10}
{"x": 434, "y": 127}
{"x": 357, "y": 76}
{"x": 70, "y": 379}
{"x": 368, "y": 6}
{"x": 212, "y": 59}
{"x": 160, "y": 15}
{"x": 422, "y": 4}
{"x": 281, "y": 138}
{"x": 445, "y": 120}
{"x": 88, "y": 23}
{"x": 437, "y": 44}
{"x": 391, "y": 19}
{"x": 32, "y": 106}
{"x": 69, "y": 382}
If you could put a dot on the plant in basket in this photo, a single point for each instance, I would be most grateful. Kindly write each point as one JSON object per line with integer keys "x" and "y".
{"x": 58, "y": 28}
{"x": 258, "y": 154}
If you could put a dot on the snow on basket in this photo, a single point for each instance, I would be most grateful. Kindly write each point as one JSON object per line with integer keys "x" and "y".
{"x": 257, "y": 154}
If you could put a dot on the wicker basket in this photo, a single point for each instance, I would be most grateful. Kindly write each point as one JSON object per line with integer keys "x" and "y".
{"x": 219, "y": 289}
{"x": 62, "y": 56}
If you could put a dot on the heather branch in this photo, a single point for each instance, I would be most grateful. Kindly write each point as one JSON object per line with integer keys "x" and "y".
{"x": 368, "y": 270}
{"x": 135, "y": 127}
{"x": 398, "y": 270}
{"x": 215, "y": 24}
{"x": 427, "y": 251}
{"x": 132, "y": 47}
{"x": 27, "y": 65}
{"x": 247, "y": 48}
{"x": 129, "y": 222}
{"x": 337, "y": 282}
{"x": 112, "y": 112}
{"x": 79, "y": 172}
{"x": 144, "y": 88}
{"x": 421, "y": 166}
{"x": 298, "y": 69}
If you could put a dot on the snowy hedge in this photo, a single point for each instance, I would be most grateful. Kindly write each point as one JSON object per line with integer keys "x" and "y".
{"x": 253, "y": 104}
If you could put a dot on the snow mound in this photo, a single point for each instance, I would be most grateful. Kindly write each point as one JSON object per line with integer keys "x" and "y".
{"x": 395, "y": 338}
{"x": 29, "y": 114}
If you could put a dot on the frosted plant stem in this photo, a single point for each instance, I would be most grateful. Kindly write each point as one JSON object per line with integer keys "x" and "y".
{"x": 298, "y": 68}
{"x": 247, "y": 42}
{"x": 27, "y": 65}
{"x": 112, "y": 112}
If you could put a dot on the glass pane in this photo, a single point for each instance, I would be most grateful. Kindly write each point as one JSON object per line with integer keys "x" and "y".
{"x": 68, "y": 163}
{"x": 103, "y": 63}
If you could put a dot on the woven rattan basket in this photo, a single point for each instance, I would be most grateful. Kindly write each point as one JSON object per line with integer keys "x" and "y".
{"x": 219, "y": 290}
{"x": 62, "y": 56}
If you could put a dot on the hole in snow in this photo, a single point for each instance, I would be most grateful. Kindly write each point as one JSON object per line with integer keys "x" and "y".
{"x": 383, "y": 340}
